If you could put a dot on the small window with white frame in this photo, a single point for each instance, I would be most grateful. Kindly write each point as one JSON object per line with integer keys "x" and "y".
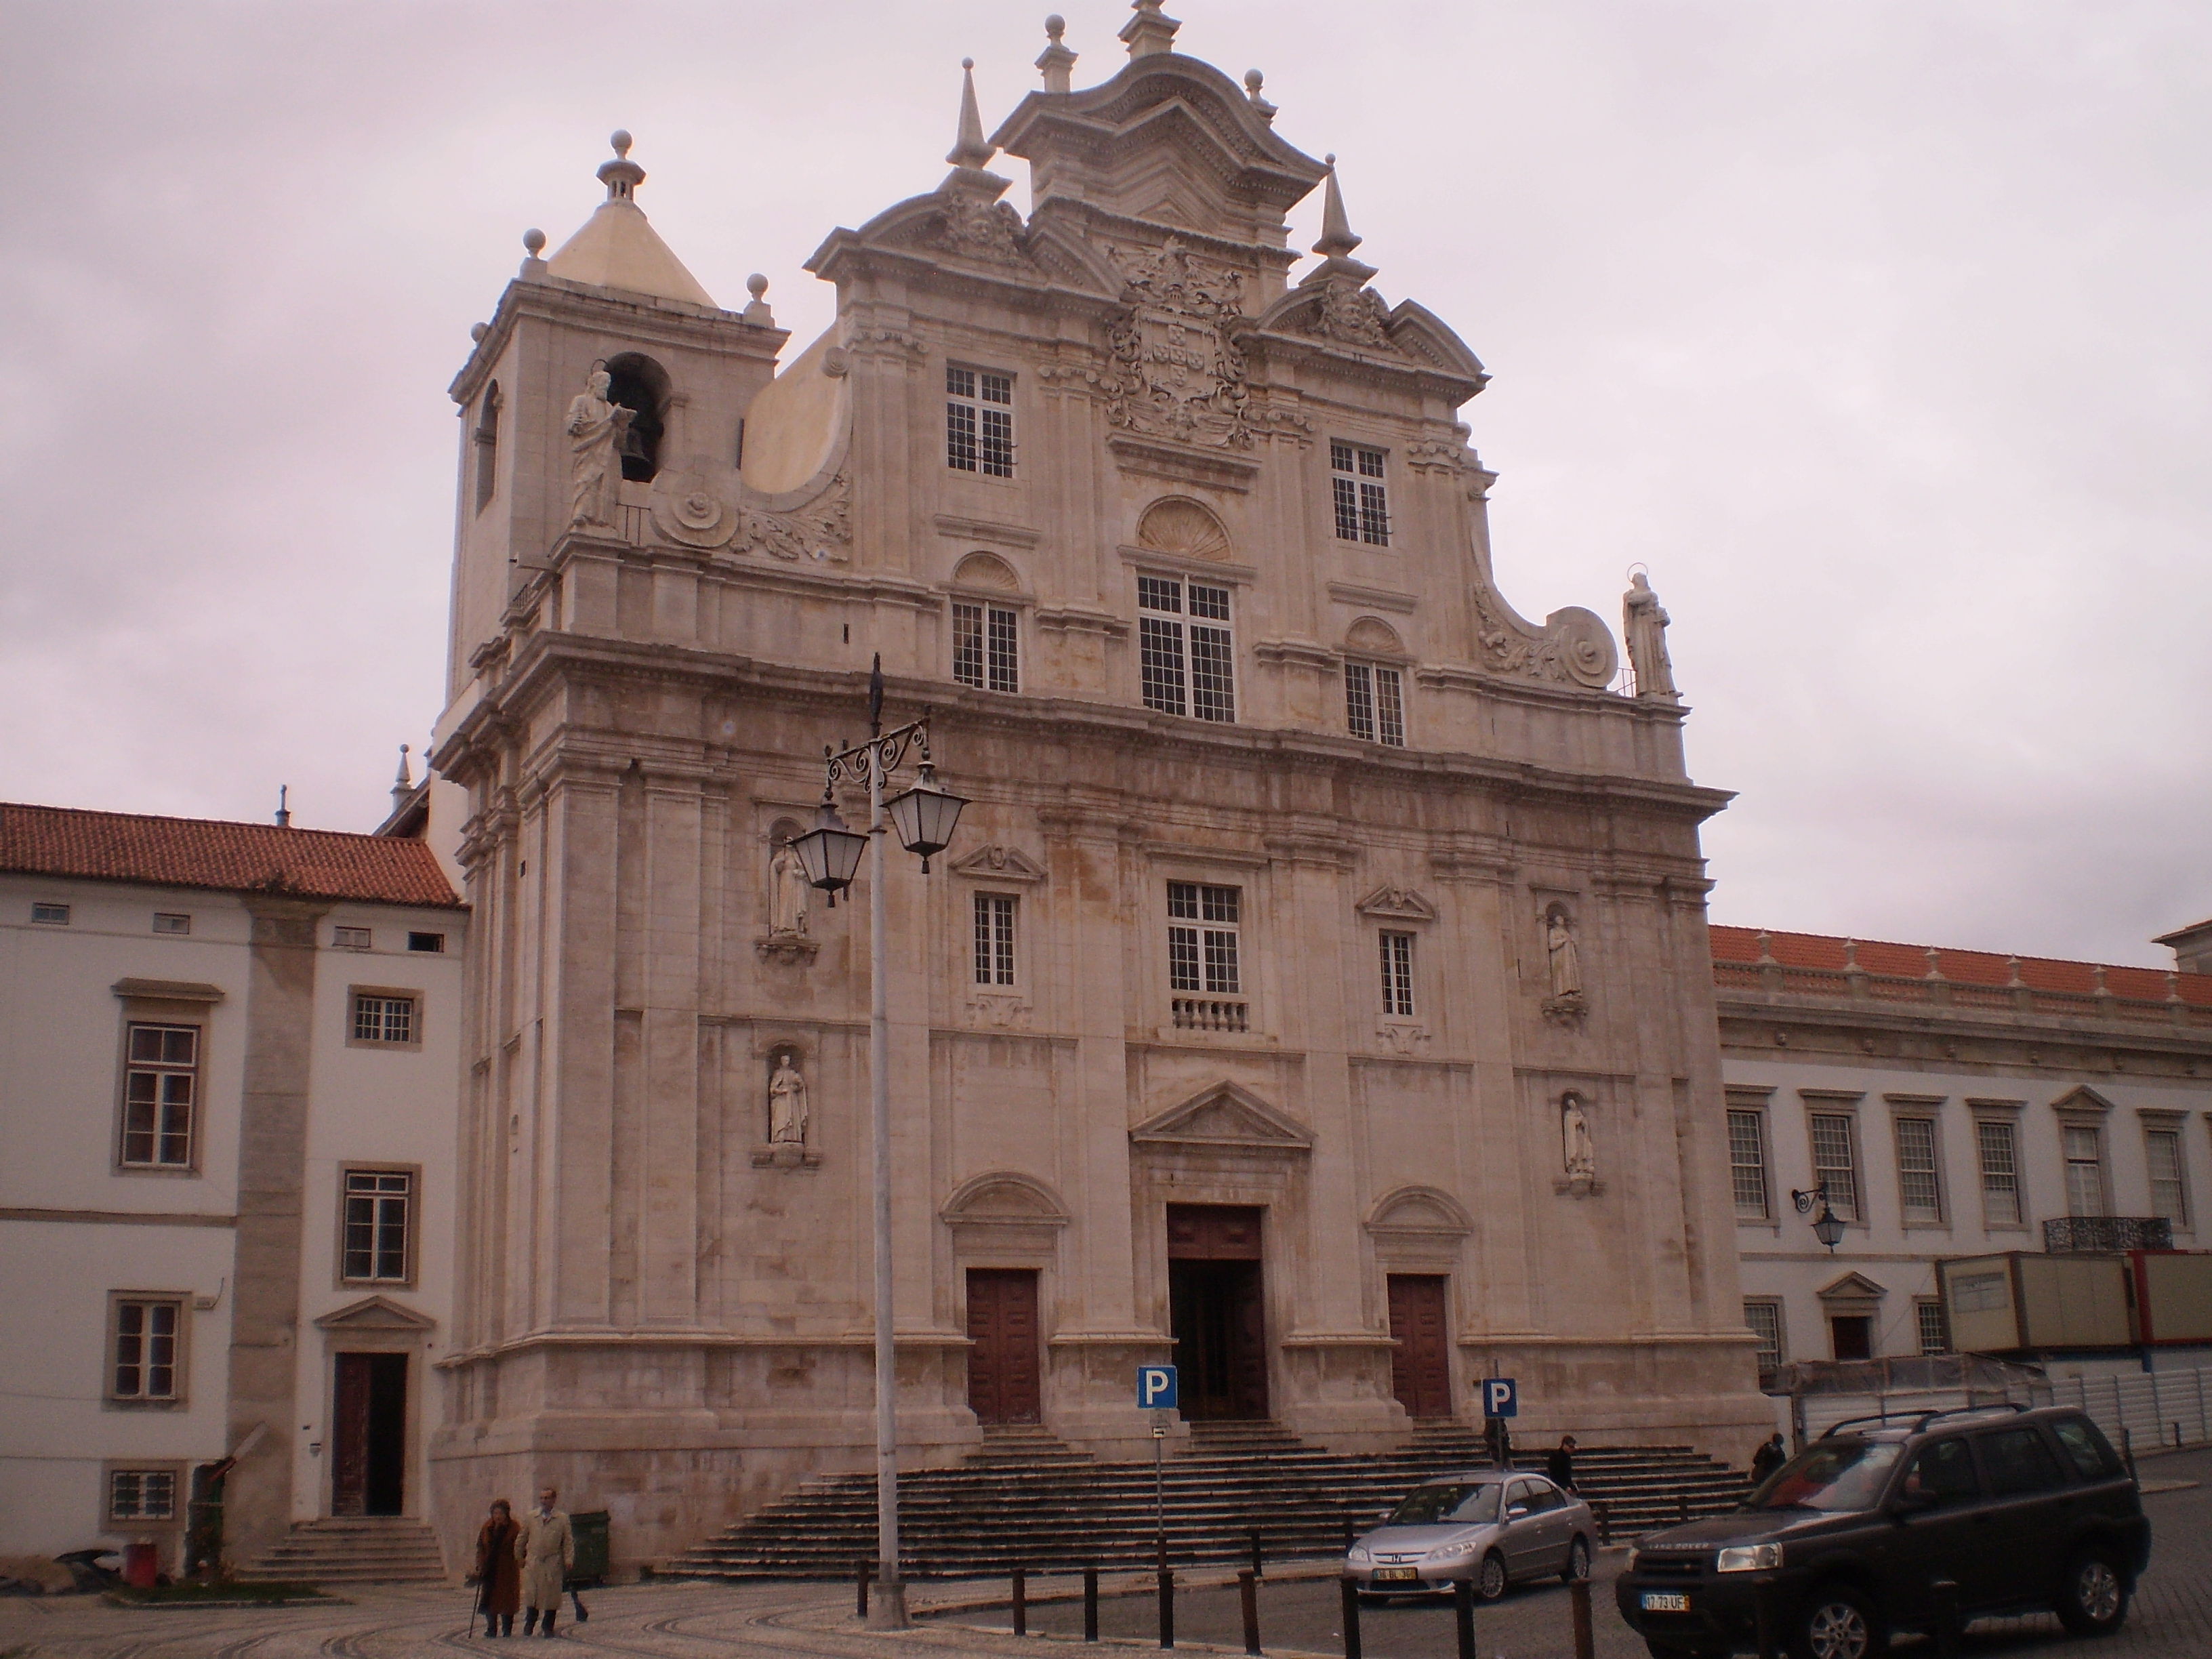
{"x": 1835, "y": 1161}
{"x": 986, "y": 647}
{"x": 1375, "y": 703}
{"x": 376, "y": 1246}
{"x": 1746, "y": 1132}
{"x": 1202, "y": 937}
{"x": 1358, "y": 495}
{"x": 2084, "y": 1146}
{"x": 2169, "y": 1180}
{"x": 1996, "y": 1148}
{"x": 351, "y": 939}
{"x": 1933, "y": 1330}
{"x": 48, "y": 914}
{"x": 1919, "y": 1176}
{"x": 1763, "y": 1315}
{"x": 979, "y": 421}
{"x": 141, "y": 1496}
{"x": 171, "y": 921}
{"x": 385, "y": 1019}
{"x": 1185, "y": 668}
{"x": 146, "y": 1349}
{"x": 1397, "y": 952}
{"x": 160, "y": 1095}
{"x": 995, "y": 915}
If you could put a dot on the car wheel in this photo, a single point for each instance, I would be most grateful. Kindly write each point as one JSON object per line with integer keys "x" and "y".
{"x": 1578, "y": 1560}
{"x": 1837, "y": 1623}
{"x": 1490, "y": 1578}
{"x": 2094, "y": 1598}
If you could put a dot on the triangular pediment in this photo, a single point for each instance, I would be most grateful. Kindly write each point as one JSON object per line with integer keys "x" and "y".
{"x": 1398, "y": 904}
{"x": 998, "y": 863}
{"x": 1225, "y": 1115}
{"x": 1852, "y": 1287}
{"x": 375, "y": 1313}
{"x": 2082, "y": 1099}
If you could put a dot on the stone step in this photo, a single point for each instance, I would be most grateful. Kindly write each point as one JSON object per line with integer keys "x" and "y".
{"x": 352, "y": 1550}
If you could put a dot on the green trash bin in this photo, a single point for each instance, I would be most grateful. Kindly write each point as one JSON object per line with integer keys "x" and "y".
{"x": 589, "y": 1530}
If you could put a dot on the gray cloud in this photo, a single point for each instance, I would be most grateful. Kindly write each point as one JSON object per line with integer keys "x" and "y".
{"x": 1875, "y": 330}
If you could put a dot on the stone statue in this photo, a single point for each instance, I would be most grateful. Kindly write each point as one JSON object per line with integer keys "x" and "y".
{"x": 787, "y": 890}
{"x": 787, "y": 1103}
{"x": 1566, "y": 958}
{"x": 1577, "y": 1152}
{"x": 596, "y": 429}
{"x": 1645, "y": 625}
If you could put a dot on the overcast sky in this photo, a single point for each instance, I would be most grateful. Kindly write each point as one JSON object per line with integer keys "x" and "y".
{"x": 1878, "y": 330}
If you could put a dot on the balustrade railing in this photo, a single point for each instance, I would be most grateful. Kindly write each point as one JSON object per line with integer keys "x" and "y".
{"x": 1208, "y": 1014}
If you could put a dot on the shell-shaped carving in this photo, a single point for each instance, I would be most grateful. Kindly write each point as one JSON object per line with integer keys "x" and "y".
{"x": 1371, "y": 636}
{"x": 1175, "y": 523}
{"x": 987, "y": 570}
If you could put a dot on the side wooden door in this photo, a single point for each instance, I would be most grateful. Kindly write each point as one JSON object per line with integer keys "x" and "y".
{"x": 1420, "y": 1366}
{"x": 1005, "y": 1384}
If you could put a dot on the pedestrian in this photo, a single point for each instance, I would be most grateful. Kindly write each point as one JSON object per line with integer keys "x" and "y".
{"x": 1560, "y": 1465}
{"x": 1768, "y": 1458}
{"x": 498, "y": 1574}
{"x": 544, "y": 1549}
{"x": 1501, "y": 1443}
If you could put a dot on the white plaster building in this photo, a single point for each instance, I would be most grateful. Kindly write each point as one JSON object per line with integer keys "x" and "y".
{"x": 229, "y": 1060}
{"x": 1956, "y": 1102}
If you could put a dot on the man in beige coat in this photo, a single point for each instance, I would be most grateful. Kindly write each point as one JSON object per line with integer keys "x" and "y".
{"x": 547, "y": 1549}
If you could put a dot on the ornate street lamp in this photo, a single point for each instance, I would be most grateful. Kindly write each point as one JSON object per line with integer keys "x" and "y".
{"x": 925, "y": 816}
{"x": 1828, "y": 1226}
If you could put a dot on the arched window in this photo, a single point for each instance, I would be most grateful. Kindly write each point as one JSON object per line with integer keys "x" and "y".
{"x": 487, "y": 443}
{"x": 641, "y": 386}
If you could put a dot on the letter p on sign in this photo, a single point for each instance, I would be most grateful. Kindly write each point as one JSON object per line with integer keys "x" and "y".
{"x": 1501, "y": 1397}
{"x": 1155, "y": 1388}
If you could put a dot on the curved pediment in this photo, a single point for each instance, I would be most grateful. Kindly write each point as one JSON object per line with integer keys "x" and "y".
{"x": 1006, "y": 1198}
{"x": 1225, "y": 1116}
{"x": 1428, "y": 1212}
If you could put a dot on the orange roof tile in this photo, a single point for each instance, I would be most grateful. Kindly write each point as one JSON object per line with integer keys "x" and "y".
{"x": 328, "y": 864}
{"x": 1740, "y": 946}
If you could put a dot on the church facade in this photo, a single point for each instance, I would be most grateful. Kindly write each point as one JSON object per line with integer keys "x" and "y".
{"x": 1318, "y": 991}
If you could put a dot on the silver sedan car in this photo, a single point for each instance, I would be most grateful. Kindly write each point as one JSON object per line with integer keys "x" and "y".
{"x": 1496, "y": 1527}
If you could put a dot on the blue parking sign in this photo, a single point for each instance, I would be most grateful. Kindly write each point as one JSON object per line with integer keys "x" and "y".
{"x": 1501, "y": 1397}
{"x": 1157, "y": 1388}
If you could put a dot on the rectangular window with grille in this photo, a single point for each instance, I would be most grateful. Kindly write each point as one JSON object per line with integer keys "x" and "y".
{"x": 994, "y": 939}
{"x": 145, "y": 1345}
{"x": 1398, "y": 973}
{"x": 985, "y": 651}
{"x": 1747, "y": 1164}
{"x": 1935, "y": 1335}
{"x": 979, "y": 421}
{"x": 1997, "y": 1145}
{"x": 1357, "y": 493}
{"x": 1203, "y": 923}
{"x": 380, "y": 1207}
{"x": 137, "y": 1497}
{"x": 1919, "y": 1183}
{"x": 160, "y": 1091}
{"x": 1186, "y": 669}
{"x": 383, "y": 1019}
{"x": 1374, "y": 703}
{"x": 2085, "y": 1171}
{"x": 2169, "y": 1190}
{"x": 1212, "y": 675}
{"x": 1161, "y": 662}
{"x": 1765, "y": 1318}
{"x": 1834, "y": 1162}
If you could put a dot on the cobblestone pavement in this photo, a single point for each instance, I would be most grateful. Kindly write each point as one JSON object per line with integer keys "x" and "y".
{"x": 2172, "y": 1618}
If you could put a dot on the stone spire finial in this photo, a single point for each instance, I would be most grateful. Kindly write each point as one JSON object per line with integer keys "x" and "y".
{"x": 1337, "y": 240}
{"x": 970, "y": 148}
{"x": 1150, "y": 31}
{"x": 1252, "y": 81}
{"x": 402, "y": 785}
{"x": 622, "y": 176}
{"x": 756, "y": 310}
{"x": 1055, "y": 60}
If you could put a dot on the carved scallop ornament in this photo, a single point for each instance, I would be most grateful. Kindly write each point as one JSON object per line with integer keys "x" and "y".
{"x": 1175, "y": 523}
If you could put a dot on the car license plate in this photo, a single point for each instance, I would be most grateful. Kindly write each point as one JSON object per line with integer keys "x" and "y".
{"x": 1665, "y": 1601}
{"x": 1395, "y": 1574}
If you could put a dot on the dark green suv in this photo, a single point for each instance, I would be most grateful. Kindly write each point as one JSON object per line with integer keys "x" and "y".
{"x": 1915, "y": 1523}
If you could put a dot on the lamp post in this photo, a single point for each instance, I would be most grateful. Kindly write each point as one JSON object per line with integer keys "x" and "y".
{"x": 924, "y": 816}
{"x": 1828, "y": 1226}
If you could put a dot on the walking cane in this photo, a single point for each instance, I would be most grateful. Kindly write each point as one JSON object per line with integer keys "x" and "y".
{"x": 474, "y": 1607}
{"x": 583, "y": 1613}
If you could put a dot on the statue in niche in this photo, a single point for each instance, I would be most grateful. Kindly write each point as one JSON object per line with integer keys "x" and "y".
{"x": 1565, "y": 956}
{"x": 597, "y": 429}
{"x": 786, "y": 1102}
{"x": 787, "y": 890}
{"x": 1578, "y": 1153}
{"x": 1644, "y": 626}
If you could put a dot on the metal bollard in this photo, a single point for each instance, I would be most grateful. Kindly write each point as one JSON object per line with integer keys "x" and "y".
{"x": 1247, "y": 1597}
{"x": 1947, "y": 1622}
{"x": 1578, "y": 1603}
{"x": 865, "y": 1568}
{"x": 2128, "y": 1451}
{"x": 1167, "y": 1608}
{"x": 1762, "y": 1619}
{"x": 1351, "y": 1617}
{"x": 1604, "y": 1522}
{"x": 1347, "y": 1537}
{"x": 1021, "y": 1602}
{"x": 1259, "y": 1561}
{"x": 1681, "y": 1506}
{"x": 1090, "y": 1604}
{"x": 1463, "y": 1615}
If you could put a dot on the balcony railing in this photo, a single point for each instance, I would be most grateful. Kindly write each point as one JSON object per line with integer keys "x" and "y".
{"x": 2065, "y": 1235}
{"x": 1205, "y": 1014}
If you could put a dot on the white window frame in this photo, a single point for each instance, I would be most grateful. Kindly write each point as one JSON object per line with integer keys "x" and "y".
{"x": 997, "y": 930}
{"x": 1850, "y": 1202}
{"x": 138, "y": 1519}
{"x": 986, "y": 645}
{"x": 1934, "y": 1211}
{"x": 1179, "y": 621}
{"x": 1205, "y": 923}
{"x": 2171, "y": 1133}
{"x": 2073, "y": 1167}
{"x": 1991, "y": 1128}
{"x": 149, "y": 1349}
{"x": 46, "y": 912}
{"x": 172, "y": 923}
{"x": 1375, "y": 702}
{"x": 368, "y": 1195}
{"x": 163, "y": 1073}
{"x": 1740, "y": 1172}
{"x": 1927, "y": 1322}
{"x": 352, "y": 938}
{"x": 979, "y": 421}
{"x": 1780, "y": 1347}
{"x": 1395, "y": 952}
{"x": 1359, "y": 492}
{"x": 385, "y": 996}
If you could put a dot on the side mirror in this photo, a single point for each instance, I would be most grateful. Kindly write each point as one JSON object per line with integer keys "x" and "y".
{"x": 1912, "y": 1503}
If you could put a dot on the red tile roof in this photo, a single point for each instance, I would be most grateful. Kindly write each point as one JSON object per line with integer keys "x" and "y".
{"x": 1740, "y": 946}
{"x": 260, "y": 858}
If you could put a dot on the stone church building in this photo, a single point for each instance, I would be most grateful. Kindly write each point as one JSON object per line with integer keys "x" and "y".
{"x": 1318, "y": 991}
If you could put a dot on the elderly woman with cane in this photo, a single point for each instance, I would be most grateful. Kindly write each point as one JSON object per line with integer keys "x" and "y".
{"x": 498, "y": 1577}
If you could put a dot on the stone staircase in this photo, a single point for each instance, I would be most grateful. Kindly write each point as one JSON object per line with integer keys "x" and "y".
{"x": 1027, "y": 1500}
{"x": 353, "y": 1550}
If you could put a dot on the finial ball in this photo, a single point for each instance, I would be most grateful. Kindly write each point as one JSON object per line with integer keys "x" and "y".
{"x": 1254, "y": 80}
{"x": 621, "y": 141}
{"x": 533, "y": 240}
{"x": 1054, "y": 26}
{"x": 966, "y": 62}
{"x": 478, "y": 331}
{"x": 756, "y": 285}
{"x": 1330, "y": 159}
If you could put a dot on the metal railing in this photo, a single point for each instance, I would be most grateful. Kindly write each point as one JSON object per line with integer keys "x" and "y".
{"x": 2065, "y": 1235}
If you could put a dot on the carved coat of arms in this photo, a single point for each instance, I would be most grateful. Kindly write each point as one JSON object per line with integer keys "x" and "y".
{"x": 1178, "y": 371}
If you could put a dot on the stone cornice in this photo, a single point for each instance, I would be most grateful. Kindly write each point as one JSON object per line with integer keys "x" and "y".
{"x": 643, "y": 317}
